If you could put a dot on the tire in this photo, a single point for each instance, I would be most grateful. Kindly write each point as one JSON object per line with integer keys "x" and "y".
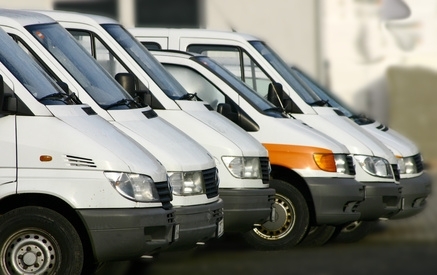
{"x": 37, "y": 240}
{"x": 291, "y": 224}
{"x": 318, "y": 235}
{"x": 353, "y": 232}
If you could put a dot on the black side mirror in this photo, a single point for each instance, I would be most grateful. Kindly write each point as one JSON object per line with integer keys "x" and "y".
{"x": 64, "y": 86}
{"x": 127, "y": 81}
{"x": 275, "y": 94}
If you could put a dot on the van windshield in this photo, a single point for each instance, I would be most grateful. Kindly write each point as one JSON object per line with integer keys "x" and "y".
{"x": 252, "y": 97}
{"x": 285, "y": 71}
{"x": 82, "y": 66}
{"x": 165, "y": 81}
{"x": 28, "y": 72}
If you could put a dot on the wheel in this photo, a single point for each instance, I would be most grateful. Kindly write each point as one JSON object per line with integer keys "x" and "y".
{"x": 37, "y": 240}
{"x": 291, "y": 222}
{"x": 354, "y": 231}
{"x": 318, "y": 235}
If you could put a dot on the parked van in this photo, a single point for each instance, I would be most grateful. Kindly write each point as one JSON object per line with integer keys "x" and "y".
{"x": 321, "y": 195}
{"x": 74, "y": 190}
{"x": 375, "y": 164}
{"x": 242, "y": 161}
{"x": 191, "y": 169}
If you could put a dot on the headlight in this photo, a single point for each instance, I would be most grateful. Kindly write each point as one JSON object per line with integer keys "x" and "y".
{"x": 135, "y": 187}
{"x": 243, "y": 167}
{"x": 375, "y": 166}
{"x": 407, "y": 165}
{"x": 187, "y": 183}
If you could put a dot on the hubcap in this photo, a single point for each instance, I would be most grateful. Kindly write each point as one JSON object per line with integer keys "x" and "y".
{"x": 283, "y": 223}
{"x": 29, "y": 252}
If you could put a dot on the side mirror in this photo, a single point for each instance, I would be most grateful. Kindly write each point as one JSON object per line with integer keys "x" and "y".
{"x": 64, "y": 86}
{"x": 275, "y": 94}
{"x": 127, "y": 81}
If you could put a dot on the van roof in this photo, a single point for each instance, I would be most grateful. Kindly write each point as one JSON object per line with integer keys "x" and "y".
{"x": 22, "y": 17}
{"x": 66, "y": 16}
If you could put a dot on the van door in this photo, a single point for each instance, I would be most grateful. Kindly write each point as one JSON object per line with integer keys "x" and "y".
{"x": 8, "y": 161}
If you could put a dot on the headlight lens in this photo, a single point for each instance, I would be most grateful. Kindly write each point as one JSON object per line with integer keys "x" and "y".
{"x": 375, "y": 166}
{"x": 243, "y": 167}
{"x": 342, "y": 164}
{"x": 187, "y": 183}
{"x": 407, "y": 165}
{"x": 136, "y": 187}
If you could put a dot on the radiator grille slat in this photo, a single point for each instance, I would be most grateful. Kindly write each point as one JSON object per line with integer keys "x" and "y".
{"x": 211, "y": 185}
{"x": 165, "y": 196}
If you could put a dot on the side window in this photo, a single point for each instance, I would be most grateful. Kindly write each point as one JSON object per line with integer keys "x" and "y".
{"x": 193, "y": 82}
{"x": 151, "y": 46}
{"x": 238, "y": 62}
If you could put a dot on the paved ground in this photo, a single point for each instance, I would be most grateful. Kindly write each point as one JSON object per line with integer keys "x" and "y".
{"x": 398, "y": 247}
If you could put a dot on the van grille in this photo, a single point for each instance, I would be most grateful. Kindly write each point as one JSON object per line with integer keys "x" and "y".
{"x": 171, "y": 218}
{"x": 418, "y": 161}
{"x": 164, "y": 193}
{"x": 350, "y": 165}
{"x": 396, "y": 172}
{"x": 265, "y": 169}
{"x": 80, "y": 162}
{"x": 210, "y": 178}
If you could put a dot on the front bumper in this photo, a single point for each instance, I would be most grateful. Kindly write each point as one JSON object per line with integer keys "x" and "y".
{"x": 120, "y": 234}
{"x": 336, "y": 199}
{"x": 198, "y": 223}
{"x": 414, "y": 191}
{"x": 246, "y": 207}
{"x": 383, "y": 200}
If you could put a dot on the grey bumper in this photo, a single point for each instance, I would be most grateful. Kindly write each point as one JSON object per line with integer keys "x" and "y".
{"x": 335, "y": 199}
{"x": 414, "y": 193}
{"x": 197, "y": 223}
{"x": 246, "y": 207}
{"x": 119, "y": 234}
{"x": 383, "y": 200}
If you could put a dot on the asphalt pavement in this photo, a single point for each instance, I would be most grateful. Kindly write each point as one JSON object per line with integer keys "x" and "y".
{"x": 406, "y": 246}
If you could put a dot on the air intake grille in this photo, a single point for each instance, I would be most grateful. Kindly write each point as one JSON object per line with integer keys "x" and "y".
{"x": 418, "y": 161}
{"x": 382, "y": 127}
{"x": 164, "y": 193}
{"x": 396, "y": 172}
{"x": 80, "y": 162}
{"x": 350, "y": 165}
{"x": 210, "y": 178}
{"x": 265, "y": 169}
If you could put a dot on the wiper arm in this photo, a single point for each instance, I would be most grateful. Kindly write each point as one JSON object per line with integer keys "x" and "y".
{"x": 57, "y": 96}
{"x": 188, "y": 96}
{"x": 121, "y": 102}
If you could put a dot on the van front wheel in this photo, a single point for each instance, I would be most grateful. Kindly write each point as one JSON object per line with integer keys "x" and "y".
{"x": 290, "y": 224}
{"x": 37, "y": 240}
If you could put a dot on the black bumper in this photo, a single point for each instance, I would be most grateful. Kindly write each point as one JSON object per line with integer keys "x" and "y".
{"x": 246, "y": 207}
{"x": 197, "y": 223}
{"x": 336, "y": 199}
{"x": 383, "y": 200}
{"x": 120, "y": 234}
{"x": 414, "y": 193}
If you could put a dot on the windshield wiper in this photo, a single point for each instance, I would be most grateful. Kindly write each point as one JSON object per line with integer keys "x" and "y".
{"x": 188, "y": 96}
{"x": 55, "y": 96}
{"x": 320, "y": 102}
{"x": 121, "y": 102}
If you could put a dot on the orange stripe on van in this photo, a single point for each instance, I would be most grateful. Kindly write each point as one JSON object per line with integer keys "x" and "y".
{"x": 297, "y": 157}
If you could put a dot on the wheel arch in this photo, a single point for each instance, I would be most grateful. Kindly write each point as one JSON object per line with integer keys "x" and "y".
{"x": 293, "y": 178}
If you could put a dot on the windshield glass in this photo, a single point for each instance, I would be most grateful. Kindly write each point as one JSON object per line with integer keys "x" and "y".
{"x": 82, "y": 66}
{"x": 254, "y": 99}
{"x": 166, "y": 82}
{"x": 285, "y": 71}
{"x": 27, "y": 71}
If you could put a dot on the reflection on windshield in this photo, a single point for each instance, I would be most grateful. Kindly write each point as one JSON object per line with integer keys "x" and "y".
{"x": 30, "y": 74}
{"x": 285, "y": 71}
{"x": 77, "y": 61}
{"x": 165, "y": 81}
{"x": 258, "y": 102}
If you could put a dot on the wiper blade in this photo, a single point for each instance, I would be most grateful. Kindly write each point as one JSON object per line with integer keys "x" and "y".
{"x": 188, "y": 96}
{"x": 55, "y": 96}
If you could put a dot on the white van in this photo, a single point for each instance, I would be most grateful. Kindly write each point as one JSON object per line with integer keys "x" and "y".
{"x": 74, "y": 190}
{"x": 239, "y": 54}
{"x": 191, "y": 169}
{"x": 242, "y": 161}
{"x": 330, "y": 195}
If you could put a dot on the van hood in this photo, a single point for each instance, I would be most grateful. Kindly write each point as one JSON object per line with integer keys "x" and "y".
{"x": 296, "y": 132}
{"x": 173, "y": 148}
{"x": 397, "y": 143}
{"x": 345, "y": 131}
{"x": 220, "y": 132}
{"x": 93, "y": 138}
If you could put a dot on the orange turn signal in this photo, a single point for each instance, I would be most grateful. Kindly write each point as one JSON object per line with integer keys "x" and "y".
{"x": 326, "y": 162}
{"x": 45, "y": 158}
